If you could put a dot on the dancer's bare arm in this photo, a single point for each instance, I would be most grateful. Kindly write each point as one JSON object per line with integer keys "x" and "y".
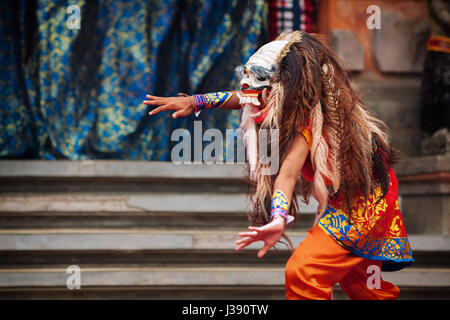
{"x": 184, "y": 105}
{"x": 291, "y": 167}
{"x": 285, "y": 181}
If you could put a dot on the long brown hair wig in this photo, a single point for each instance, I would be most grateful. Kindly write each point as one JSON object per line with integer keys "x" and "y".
{"x": 349, "y": 144}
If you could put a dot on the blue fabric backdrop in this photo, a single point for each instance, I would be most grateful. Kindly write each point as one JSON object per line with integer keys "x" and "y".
{"x": 76, "y": 94}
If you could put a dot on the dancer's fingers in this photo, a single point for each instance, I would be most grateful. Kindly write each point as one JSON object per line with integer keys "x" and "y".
{"x": 155, "y": 99}
{"x": 245, "y": 244}
{"x": 240, "y": 247}
{"x": 248, "y": 234}
{"x": 260, "y": 230}
{"x": 159, "y": 109}
{"x": 181, "y": 113}
{"x": 153, "y": 102}
{"x": 252, "y": 239}
{"x": 252, "y": 228}
{"x": 242, "y": 240}
{"x": 245, "y": 241}
{"x": 149, "y": 96}
{"x": 264, "y": 250}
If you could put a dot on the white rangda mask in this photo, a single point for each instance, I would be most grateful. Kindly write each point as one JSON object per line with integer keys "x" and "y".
{"x": 254, "y": 77}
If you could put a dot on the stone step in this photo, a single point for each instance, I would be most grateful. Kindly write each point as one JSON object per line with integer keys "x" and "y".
{"x": 147, "y": 239}
{"x": 187, "y": 258}
{"x": 132, "y": 210}
{"x": 120, "y": 176}
{"x": 156, "y": 247}
{"x": 116, "y": 240}
{"x": 123, "y": 169}
{"x": 237, "y": 292}
{"x": 141, "y": 258}
{"x": 155, "y": 230}
{"x": 182, "y": 279}
{"x": 121, "y": 203}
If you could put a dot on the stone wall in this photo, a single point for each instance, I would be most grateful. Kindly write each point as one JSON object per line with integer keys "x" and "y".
{"x": 386, "y": 63}
{"x": 424, "y": 187}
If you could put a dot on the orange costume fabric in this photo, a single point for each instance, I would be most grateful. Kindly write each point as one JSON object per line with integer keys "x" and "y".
{"x": 319, "y": 263}
{"x": 373, "y": 235}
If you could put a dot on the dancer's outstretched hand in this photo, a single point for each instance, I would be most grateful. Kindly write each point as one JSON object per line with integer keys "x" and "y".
{"x": 269, "y": 233}
{"x": 183, "y": 106}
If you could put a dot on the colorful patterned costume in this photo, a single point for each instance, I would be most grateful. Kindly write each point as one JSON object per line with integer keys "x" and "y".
{"x": 352, "y": 242}
{"x": 377, "y": 233}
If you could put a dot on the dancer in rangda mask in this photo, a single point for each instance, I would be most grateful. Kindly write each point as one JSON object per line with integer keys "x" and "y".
{"x": 331, "y": 147}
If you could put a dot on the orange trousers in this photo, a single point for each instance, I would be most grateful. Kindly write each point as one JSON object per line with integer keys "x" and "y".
{"x": 319, "y": 263}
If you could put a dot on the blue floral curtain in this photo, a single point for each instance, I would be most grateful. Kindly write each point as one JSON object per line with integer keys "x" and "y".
{"x": 77, "y": 93}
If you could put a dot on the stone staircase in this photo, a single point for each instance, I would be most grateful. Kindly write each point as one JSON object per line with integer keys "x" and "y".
{"x": 154, "y": 230}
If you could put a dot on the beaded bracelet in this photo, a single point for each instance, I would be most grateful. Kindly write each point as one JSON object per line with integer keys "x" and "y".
{"x": 211, "y": 100}
{"x": 280, "y": 205}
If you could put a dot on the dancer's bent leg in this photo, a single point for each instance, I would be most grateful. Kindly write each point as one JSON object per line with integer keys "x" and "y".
{"x": 356, "y": 287}
{"x": 316, "y": 266}
{"x": 319, "y": 263}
